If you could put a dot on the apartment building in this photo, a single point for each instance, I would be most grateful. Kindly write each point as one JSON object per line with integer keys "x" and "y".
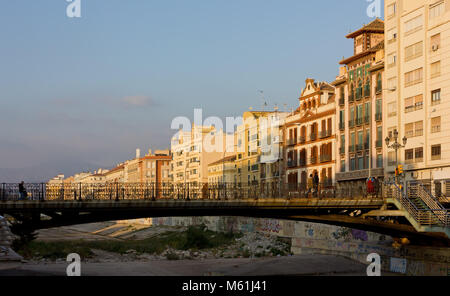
{"x": 152, "y": 168}
{"x": 222, "y": 171}
{"x": 191, "y": 157}
{"x": 115, "y": 175}
{"x": 259, "y": 158}
{"x": 310, "y": 135}
{"x": 418, "y": 82}
{"x": 359, "y": 92}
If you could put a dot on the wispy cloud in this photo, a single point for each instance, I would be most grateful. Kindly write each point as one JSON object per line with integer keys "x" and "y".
{"x": 139, "y": 101}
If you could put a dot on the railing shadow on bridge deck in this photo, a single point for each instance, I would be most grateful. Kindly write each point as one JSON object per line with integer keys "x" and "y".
{"x": 189, "y": 191}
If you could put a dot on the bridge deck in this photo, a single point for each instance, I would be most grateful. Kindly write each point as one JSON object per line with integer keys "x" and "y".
{"x": 272, "y": 204}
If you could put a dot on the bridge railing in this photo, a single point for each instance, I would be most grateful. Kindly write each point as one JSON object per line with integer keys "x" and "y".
{"x": 426, "y": 217}
{"x": 130, "y": 191}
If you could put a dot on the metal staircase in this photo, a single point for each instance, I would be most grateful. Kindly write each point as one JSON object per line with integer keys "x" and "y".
{"x": 421, "y": 208}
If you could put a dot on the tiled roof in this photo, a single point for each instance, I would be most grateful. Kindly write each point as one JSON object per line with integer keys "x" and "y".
{"x": 375, "y": 26}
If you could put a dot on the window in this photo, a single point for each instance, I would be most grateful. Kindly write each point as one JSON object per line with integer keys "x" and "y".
{"x": 435, "y": 42}
{"x": 391, "y": 131}
{"x": 437, "y": 10}
{"x": 436, "y": 152}
{"x": 409, "y": 130}
{"x": 379, "y": 137}
{"x": 435, "y": 69}
{"x": 414, "y": 25}
{"x": 418, "y": 154}
{"x": 409, "y": 156}
{"x": 436, "y": 124}
{"x": 391, "y": 10}
{"x": 392, "y": 59}
{"x": 392, "y": 35}
{"x": 413, "y": 103}
{"x": 418, "y": 128}
{"x": 413, "y": 77}
{"x": 360, "y": 163}
{"x": 379, "y": 160}
{"x": 413, "y": 51}
{"x": 352, "y": 164}
{"x": 343, "y": 166}
{"x": 392, "y": 109}
{"x": 391, "y": 158}
{"x": 435, "y": 97}
{"x": 392, "y": 83}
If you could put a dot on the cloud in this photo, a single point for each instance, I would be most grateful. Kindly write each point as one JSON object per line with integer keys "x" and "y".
{"x": 138, "y": 101}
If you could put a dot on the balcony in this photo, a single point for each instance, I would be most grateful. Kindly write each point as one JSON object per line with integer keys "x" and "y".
{"x": 366, "y": 119}
{"x": 351, "y": 123}
{"x": 359, "y": 147}
{"x": 351, "y": 98}
{"x": 378, "y": 116}
{"x": 342, "y": 150}
{"x": 341, "y": 101}
{"x": 302, "y": 140}
{"x": 313, "y": 137}
{"x": 325, "y": 158}
{"x": 351, "y": 148}
{"x": 302, "y": 162}
{"x": 359, "y": 121}
{"x": 342, "y": 126}
{"x": 366, "y": 146}
{"x": 313, "y": 160}
{"x": 379, "y": 88}
{"x": 324, "y": 134}
{"x": 291, "y": 142}
{"x": 292, "y": 164}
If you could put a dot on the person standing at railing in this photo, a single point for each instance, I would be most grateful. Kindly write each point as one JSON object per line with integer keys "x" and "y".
{"x": 316, "y": 181}
{"x": 22, "y": 191}
{"x": 309, "y": 185}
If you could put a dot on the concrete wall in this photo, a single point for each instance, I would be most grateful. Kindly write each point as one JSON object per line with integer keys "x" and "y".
{"x": 8, "y": 258}
{"x": 314, "y": 238}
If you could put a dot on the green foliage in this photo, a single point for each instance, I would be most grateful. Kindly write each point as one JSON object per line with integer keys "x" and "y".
{"x": 195, "y": 238}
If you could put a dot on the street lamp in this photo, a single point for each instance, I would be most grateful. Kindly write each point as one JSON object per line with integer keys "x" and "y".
{"x": 396, "y": 145}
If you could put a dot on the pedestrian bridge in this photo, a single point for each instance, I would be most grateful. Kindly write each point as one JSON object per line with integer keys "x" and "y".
{"x": 390, "y": 212}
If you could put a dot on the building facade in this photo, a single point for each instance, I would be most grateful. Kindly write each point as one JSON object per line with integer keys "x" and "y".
{"x": 418, "y": 82}
{"x": 359, "y": 92}
{"x": 310, "y": 136}
{"x": 191, "y": 156}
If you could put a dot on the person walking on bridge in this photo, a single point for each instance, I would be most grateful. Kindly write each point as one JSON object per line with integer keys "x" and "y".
{"x": 22, "y": 191}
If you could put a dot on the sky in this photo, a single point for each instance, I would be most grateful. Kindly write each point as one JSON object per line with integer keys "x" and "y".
{"x": 81, "y": 93}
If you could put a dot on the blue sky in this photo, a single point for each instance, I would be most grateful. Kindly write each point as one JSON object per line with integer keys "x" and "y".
{"x": 92, "y": 90}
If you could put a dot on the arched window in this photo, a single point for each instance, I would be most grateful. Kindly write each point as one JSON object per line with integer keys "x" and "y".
{"x": 314, "y": 103}
{"x": 379, "y": 83}
{"x": 367, "y": 88}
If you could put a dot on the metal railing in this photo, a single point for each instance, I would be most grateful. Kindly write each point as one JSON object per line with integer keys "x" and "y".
{"x": 160, "y": 191}
{"x": 425, "y": 217}
{"x": 418, "y": 190}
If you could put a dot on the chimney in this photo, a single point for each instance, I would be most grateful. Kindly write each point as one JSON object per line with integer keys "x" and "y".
{"x": 138, "y": 153}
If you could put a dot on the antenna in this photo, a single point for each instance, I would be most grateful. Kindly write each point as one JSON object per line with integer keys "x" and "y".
{"x": 264, "y": 103}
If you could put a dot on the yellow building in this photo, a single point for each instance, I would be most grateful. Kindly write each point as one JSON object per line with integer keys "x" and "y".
{"x": 259, "y": 160}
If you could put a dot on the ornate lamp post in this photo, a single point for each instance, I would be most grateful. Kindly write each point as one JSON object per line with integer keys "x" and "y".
{"x": 396, "y": 145}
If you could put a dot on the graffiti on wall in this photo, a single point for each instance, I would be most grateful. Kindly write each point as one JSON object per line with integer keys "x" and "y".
{"x": 269, "y": 225}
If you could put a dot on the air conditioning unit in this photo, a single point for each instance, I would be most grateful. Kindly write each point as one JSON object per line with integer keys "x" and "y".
{"x": 435, "y": 47}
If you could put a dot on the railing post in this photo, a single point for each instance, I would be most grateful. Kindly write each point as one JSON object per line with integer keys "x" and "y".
{"x": 80, "y": 191}
{"x": 42, "y": 193}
